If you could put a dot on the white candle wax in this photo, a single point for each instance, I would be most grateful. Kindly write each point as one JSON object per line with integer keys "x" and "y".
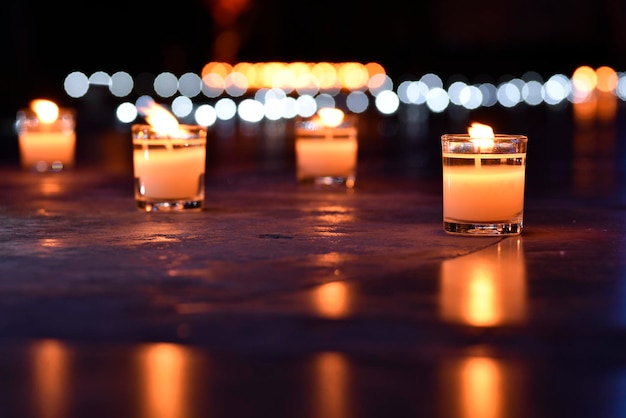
{"x": 483, "y": 192}
{"x": 169, "y": 173}
{"x": 47, "y": 146}
{"x": 330, "y": 152}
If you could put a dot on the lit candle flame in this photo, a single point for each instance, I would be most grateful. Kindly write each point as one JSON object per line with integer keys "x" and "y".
{"x": 482, "y": 135}
{"x": 47, "y": 111}
{"x": 330, "y": 116}
{"x": 161, "y": 119}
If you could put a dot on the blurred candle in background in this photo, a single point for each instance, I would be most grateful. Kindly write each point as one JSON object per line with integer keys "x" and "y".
{"x": 47, "y": 137}
{"x": 168, "y": 161}
{"x": 326, "y": 149}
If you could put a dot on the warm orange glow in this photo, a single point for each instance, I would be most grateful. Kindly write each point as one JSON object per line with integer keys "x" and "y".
{"x": 226, "y": 12}
{"x": 480, "y": 135}
{"x": 481, "y": 388}
{"x": 214, "y": 80}
{"x": 607, "y": 79}
{"x": 485, "y": 288}
{"x": 245, "y": 68}
{"x": 50, "y": 360}
{"x": 50, "y": 186}
{"x": 479, "y": 130}
{"x": 236, "y": 79}
{"x": 585, "y": 110}
{"x": 165, "y": 381}
{"x": 330, "y": 116}
{"x": 331, "y": 300}
{"x": 331, "y": 387}
{"x": 161, "y": 119}
{"x": 607, "y": 106}
{"x": 283, "y": 79}
{"x": 326, "y": 73}
{"x": 220, "y": 68}
{"x": 47, "y": 111}
{"x": 374, "y": 68}
{"x": 351, "y": 76}
{"x": 584, "y": 81}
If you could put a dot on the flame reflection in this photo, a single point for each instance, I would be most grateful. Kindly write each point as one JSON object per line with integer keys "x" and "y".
{"x": 486, "y": 288}
{"x": 481, "y": 383}
{"x": 331, "y": 380}
{"x": 331, "y": 300}
{"x": 50, "y": 363}
{"x": 50, "y": 185}
{"x": 482, "y": 387}
{"x": 165, "y": 375}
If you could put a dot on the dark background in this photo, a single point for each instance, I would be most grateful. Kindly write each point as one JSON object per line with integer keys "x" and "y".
{"x": 42, "y": 41}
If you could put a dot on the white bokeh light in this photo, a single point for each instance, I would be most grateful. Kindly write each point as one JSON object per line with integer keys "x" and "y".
{"x": 121, "y": 84}
{"x": 76, "y": 84}
{"x": 225, "y": 108}
{"x": 454, "y": 92}
{"x": 182, "y": 106}
{"x": 306, "y": 106}
{"x": 508, "y": 94}
{"x": 387, "y": 102}
{"x": 437, "y": 100}
{"x": 190, "y": 84}
{"x": 489, "y": 93}
{"x": 556, "y": 89}
{"x": 100, "y": 78}
{"x": 205, "y": 115}
{"x": 531, "y": 92}
{"x": 250, "y": 110}
{"x": 166, "y": 84}
{"x": 126, "y": 112}
{"x": 357, "y": 102}
{"x": 470, "y": 97}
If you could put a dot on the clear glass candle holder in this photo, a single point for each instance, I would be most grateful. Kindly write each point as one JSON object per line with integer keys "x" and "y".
{"x": 46, "y": 146}
{"x": 483, "y": 184}
{"x": 326, "y": 155}
{"x": 169, "y": 170}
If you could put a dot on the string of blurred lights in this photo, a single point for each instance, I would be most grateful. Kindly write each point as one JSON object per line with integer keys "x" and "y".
{"x": 275, "y": 90}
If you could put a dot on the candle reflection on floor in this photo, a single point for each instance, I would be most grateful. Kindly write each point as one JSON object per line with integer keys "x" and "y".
{"x": 485, "y": 288}
{"x": 331, "y": 300}
{"x": 51, "y": 378}
{"x": 330, "y": 398}
{"x": 166, "y": 375}
{"x": 479, "y": 386}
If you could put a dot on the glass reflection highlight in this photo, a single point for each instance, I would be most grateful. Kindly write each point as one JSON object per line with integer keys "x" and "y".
{"x": 51, "y": 378}
{"x": 486, "y": 288}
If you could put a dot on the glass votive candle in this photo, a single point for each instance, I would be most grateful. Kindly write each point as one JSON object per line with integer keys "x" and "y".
{"x": 46, "y": 137}
{"x": 326, "y": 148}
{"x": 169, "y": 169}
{"x": 483, "y": 184}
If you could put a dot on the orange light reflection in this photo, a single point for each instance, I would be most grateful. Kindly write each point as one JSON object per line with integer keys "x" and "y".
{"x": 164, "y": 372}
{"x": 481, "y": 386}
{"x": 330, "y": 399}
{"x": 50, "y": 360}
{"x": 331, "y": 300}
{"x": 486, "y": 288}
